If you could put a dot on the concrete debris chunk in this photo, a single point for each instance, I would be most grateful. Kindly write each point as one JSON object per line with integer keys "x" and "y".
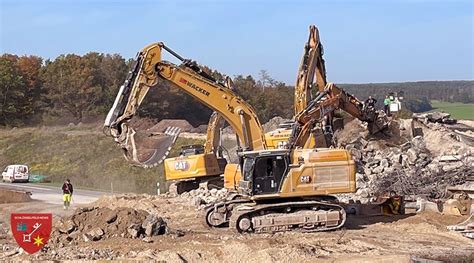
{"x": 154, "y": 226}
{"x": 449, "y": 158}
{"x": 411, "y": 156}
{"x": 66, "y": 226}
{"x": 94, "y": 234}
{"x": 134, "y": 230}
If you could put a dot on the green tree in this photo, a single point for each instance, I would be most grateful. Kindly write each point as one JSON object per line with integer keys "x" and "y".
{"x": 11, "y": 93}
{"x": 113, "y": 70}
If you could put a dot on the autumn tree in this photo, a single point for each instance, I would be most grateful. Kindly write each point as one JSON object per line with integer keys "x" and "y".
{"x": 20, "y": 89}
{"x": 71, "y": 86}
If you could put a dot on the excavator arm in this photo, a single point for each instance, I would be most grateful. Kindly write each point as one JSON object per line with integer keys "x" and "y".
{"x": 152, "y": 149}
{"x": 213, "y": 135}
{"x": 312, "y": 65}
{"x": 214, "y": 126}
{"x": 331, "y": 99}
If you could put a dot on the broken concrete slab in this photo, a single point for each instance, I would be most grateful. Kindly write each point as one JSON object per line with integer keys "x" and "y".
{"x": 154, "y": 226}
{"x": 134, "y": 230}
{"x": 66, "y": 227}
{"x": 449, "y": 158}
{"x": 94, "y": 234}
{"x": 411, "y": 156}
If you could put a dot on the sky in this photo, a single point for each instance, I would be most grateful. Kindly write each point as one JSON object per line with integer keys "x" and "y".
{"x": 364, "y": 41}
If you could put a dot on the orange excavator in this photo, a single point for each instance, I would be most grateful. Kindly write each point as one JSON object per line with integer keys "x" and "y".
{"x": 279, "y": 189}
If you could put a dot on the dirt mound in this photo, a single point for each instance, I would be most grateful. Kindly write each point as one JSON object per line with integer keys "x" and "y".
{"x": 98, "y": 223}
{"x": 163, "y": 124}
{"x": 12, "y": 196}
{"x": 200, "y": 129}
{"x": 443, "y": 140}
{"x": 396, "y": 134}
{"x": 352, "y": 130}
{"x": 273, "y": 123}
{"x": 143, "y": 202}
{"x": 141, "y": 123}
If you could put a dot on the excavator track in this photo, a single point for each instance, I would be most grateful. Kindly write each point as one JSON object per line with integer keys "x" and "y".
{"x": 218, "y": 214}
{"x": 306, "y": 216}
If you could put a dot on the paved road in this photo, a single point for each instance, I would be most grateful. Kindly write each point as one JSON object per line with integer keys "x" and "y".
{"x": 53, "y": 195}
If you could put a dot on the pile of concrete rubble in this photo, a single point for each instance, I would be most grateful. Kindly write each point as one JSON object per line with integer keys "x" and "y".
{"x": 408, "y": 169}
{"x": 436, "y": 117}
{"x": 96, "y": 223}
{"x": 203, "y": 195}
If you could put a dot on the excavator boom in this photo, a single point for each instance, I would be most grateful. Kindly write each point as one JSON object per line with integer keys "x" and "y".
{"x": 312, "y": 65}
{"x": 150, "y": 149}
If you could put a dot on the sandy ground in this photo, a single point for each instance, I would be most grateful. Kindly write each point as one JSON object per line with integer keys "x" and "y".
{"x": 363, "y": 239}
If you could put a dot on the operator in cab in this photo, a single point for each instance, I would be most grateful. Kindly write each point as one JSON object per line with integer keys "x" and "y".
{"x": 370, "y": 102}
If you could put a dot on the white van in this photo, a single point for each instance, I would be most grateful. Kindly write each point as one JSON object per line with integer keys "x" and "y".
{"x": 16, "y": 173}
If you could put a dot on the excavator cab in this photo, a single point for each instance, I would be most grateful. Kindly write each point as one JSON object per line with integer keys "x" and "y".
{"x": 264, "y": 174}
{"x": 192, "y": 149}
{"x": 296, "y": 173}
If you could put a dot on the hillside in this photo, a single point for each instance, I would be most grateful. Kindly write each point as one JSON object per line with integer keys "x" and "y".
{"x": 81, "y": 153}
{"x": 452, "y": 91}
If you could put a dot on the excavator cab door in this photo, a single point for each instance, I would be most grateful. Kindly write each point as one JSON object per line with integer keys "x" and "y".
{"x": 268, "y": 174}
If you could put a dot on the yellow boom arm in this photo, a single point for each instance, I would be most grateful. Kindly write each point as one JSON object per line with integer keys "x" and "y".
{"x": 190, "y": 78}
{"x": 312, "y": 65}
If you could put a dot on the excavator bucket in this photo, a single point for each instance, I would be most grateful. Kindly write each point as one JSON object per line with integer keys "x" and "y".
{"x": 379, "y": 124}
{"x": 147, "y": 149}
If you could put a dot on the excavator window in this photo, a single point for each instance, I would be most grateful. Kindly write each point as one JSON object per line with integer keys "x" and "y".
{"x": 268, "y": 174}
{"x": 191, "y": 150}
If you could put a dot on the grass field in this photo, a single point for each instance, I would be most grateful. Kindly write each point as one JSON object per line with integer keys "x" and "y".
{"x": 83, "y": 154}
{"x": 460, "y": 111}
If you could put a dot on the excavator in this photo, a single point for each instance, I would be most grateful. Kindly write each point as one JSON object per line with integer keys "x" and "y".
{"x": 312, "y": 66}
{"x": 279, "y": 189}
{"x": 206, "y": 163}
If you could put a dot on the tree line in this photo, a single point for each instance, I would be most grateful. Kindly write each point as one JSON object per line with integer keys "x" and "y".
{"x": 73, "y": 87}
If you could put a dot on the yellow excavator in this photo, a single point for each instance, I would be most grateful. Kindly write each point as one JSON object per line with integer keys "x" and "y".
{"x": 312, "y": 66}
{"x": 198, "y": 163}
{"x": 206, "y": 163}
{"x": 280, "y": 189}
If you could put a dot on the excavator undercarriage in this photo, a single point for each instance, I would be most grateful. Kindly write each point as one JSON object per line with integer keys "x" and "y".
{"x": 247, "y": 216}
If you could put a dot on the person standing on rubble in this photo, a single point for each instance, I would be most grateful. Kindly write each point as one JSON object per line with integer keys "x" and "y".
{"x": 386, "y": 105}
{"x": 370, "y": 103}
{"x": 67, "y": 193}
